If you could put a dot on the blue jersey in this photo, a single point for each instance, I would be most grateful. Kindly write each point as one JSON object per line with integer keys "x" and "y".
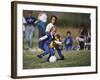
{"x": 48, "y": 39}
{"x": 68, "y": 41}
{"x": 41, "y": 28}
{"x": 30, "y": 20}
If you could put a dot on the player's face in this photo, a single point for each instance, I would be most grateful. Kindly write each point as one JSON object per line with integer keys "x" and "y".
{"x": 30, "y": 14}
{"x": 68, "y": 34}
{"x": 53, "y": 20}
{"x": 54, "y": 31}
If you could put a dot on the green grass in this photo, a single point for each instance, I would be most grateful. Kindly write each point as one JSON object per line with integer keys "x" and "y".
{"x": 72, "y": 59}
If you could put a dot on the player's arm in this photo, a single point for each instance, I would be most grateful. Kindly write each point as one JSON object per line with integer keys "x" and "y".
{"x": 47, "y": 28}
{"x": 36, "y": 21}
{"x": 58, "y": 42}
{"x": 43, "y": 38}
{"x": 24, "y": 21}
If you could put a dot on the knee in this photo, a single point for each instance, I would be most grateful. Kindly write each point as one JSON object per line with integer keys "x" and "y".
{"x": 47, "y": 51}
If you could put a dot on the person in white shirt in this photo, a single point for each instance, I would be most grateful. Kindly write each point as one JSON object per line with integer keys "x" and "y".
{"x": 41, "y": 23}
{"x": 52, "y": 23}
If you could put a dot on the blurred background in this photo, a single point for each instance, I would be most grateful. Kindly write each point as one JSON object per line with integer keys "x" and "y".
{"x": 65, "y": 22}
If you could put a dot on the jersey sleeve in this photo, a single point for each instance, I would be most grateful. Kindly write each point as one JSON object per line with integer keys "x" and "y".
{"x": 45, "y": 37}
{"x": 23, "y": 20}
{"x": 34, "y": 19}
{"x": 48, "y": 27}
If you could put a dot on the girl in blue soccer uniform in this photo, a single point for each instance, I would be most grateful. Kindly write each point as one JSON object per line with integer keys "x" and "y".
{"x": 52, "y": 40}
{"x": 47, "y": 40}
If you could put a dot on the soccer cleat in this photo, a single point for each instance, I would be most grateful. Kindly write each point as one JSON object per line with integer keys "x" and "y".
{"x": 62, "y": 58}
{"x": 39, "y": 56}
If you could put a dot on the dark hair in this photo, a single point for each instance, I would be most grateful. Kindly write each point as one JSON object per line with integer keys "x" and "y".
{"x": 54, "y": 17}
{"x": 58, "y": 36}
{"x": 68, "y": 32}
{"x": 30, "y": 12}
{"x": 85, "y": 31}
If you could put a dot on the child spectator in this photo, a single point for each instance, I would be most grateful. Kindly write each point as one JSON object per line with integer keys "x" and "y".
{"x": 68, "y": 41}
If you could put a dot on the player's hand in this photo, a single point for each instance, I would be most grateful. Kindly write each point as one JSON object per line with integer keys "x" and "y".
{"x": 58, "y": 42}
{"x": 36, "y": 21}
{"x": 39, "y": 39}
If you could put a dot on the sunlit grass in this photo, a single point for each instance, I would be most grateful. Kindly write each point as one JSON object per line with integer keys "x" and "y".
{"x": 72, "y": 59}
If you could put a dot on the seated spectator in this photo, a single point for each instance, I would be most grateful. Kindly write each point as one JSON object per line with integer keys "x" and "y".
{"x": 83, "y": 33}
{"x": 68, "y": 41}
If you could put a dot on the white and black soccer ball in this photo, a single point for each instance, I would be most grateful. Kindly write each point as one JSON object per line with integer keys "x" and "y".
{"x": 52, "y": 59}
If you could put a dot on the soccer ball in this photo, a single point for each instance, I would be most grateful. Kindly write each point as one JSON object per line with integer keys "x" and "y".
{"x": 52, "y": 59}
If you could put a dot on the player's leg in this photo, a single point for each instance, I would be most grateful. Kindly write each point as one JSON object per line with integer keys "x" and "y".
{"x": 46, "y": 51}
{"x": 81, "y": 45}
{"x": 69, "y": 47}
{"x": 41, "y": 44}
{"x": 41, "y": 28}
{"x": 60, "y": 54}
{"x": 52, "y": 52}
{"x": 32, "y": 29}
{"x": 27, "y": 32}
{"x": 66, "y": 47}
{"x": 23, "y": 38}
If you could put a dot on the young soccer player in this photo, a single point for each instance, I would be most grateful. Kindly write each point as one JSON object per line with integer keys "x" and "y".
{"x": 57, "y": 44}
{"x": 42, "y": 19}
{"x": 68, "y": 41}
{"x": 47, "y": 40}
{"x": 30, "y": 28}
{"x": 53, "y": 21}
{"x": 54, "y": 42}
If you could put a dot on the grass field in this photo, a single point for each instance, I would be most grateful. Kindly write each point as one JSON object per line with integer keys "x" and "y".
{"x": 72, "y": 59}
